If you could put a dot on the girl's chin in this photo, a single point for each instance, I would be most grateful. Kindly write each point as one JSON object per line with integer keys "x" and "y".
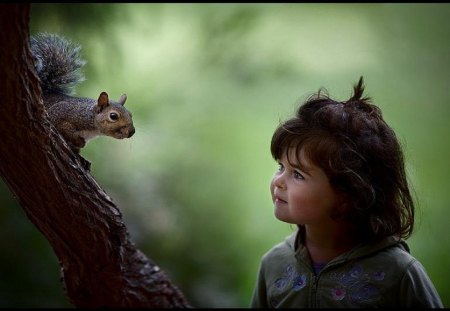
{"x": 281, "y": 216}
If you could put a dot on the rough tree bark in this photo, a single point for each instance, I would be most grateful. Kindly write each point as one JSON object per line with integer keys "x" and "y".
{"x": 100, "y": 266}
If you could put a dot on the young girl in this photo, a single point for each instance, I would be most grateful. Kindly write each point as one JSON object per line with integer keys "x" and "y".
{"x": 342, "y": 181}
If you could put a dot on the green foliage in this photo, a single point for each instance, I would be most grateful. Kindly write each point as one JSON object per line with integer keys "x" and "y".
{"x": 207, "y": 85}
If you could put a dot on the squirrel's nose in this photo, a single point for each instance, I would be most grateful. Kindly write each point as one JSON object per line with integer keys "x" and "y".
{"x": 131, "y": 132}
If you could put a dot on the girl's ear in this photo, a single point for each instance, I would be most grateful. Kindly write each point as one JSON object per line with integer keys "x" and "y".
{"x": 346, "y": 203}
{"x": 343, "y": 207}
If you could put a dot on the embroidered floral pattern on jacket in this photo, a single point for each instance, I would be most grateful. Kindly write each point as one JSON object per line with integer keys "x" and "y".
{"x": 357, "y": 285}
{"x": 292, "y": 279}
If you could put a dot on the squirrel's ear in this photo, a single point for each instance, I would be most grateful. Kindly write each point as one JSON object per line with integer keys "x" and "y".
{"x": 103, "y": 100}
{"x": 123, "y": 99}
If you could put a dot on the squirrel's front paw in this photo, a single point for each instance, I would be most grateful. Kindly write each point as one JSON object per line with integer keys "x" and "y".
{"x": 86, "y": 164}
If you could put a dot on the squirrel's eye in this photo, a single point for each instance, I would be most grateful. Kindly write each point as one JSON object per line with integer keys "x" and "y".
{"x": 114, "y": 116}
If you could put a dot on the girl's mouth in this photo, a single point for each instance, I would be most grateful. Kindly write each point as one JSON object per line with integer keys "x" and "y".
{"x": 279, "y": 201}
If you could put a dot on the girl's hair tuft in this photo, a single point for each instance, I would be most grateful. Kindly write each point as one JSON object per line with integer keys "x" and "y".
{"x": 358, "y": 91}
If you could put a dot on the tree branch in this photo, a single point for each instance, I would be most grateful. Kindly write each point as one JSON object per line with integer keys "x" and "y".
{"x": 100, "y": 266}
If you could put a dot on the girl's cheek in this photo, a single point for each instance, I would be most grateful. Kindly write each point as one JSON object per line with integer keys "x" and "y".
{"x": 272, "y": 186}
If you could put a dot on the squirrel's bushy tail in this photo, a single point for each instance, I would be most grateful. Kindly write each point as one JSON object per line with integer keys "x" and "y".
{"x": 58, "y": 63}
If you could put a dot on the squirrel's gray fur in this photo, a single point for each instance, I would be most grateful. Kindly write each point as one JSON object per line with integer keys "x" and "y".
{"x": 58, "y": 64}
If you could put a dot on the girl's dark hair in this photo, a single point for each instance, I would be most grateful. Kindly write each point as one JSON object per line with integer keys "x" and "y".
{"x": 361, "y": 156}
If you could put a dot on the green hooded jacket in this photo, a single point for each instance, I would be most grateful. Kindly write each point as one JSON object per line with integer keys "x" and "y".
{"x": 382, "y": 274}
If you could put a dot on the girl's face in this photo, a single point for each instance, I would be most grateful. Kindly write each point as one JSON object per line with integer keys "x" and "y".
{"x": 301, "y": 192}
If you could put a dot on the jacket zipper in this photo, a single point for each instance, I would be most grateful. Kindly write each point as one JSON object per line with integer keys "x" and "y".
{"x": 314, "y": 291}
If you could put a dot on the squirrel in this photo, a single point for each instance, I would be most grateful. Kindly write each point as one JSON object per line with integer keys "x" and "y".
{"x": 58, "y": 64}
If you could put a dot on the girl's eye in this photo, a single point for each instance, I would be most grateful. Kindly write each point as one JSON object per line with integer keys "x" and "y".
{"x": 280, "y": 167}
{"x": 297, "y": 175}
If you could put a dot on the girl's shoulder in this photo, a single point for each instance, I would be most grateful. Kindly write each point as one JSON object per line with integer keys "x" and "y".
{"x": 390, "y": 257}
{"x": 390, "y": 250}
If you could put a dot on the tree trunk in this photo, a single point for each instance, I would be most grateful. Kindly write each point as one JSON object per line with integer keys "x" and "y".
{"x": 100, "y": 266}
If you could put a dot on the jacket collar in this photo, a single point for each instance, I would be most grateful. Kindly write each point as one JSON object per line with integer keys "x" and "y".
{"x": 295, "y": 242}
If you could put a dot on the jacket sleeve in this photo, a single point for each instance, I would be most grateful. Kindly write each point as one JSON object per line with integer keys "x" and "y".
{"x": 417, "y": 289}
{"x": 259, "y": 298}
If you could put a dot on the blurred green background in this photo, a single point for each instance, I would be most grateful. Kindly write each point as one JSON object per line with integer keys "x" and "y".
{"x": 207, "y": 85}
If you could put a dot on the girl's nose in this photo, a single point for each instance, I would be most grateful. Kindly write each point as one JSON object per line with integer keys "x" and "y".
{"x": 278, "y": 181}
